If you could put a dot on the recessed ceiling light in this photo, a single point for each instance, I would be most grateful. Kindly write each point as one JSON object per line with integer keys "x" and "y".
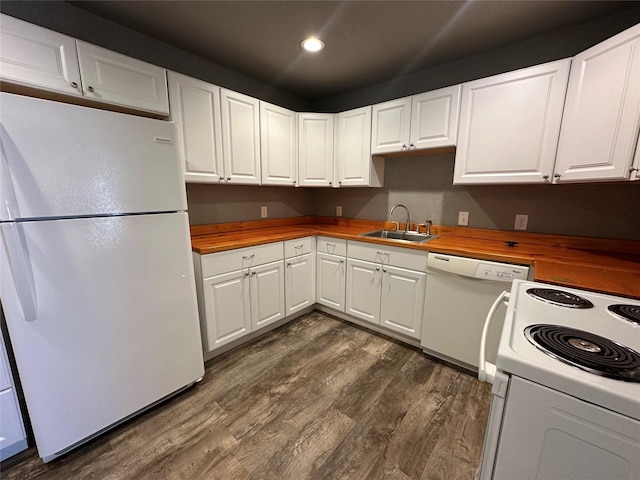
{"x": 312, "y": 44}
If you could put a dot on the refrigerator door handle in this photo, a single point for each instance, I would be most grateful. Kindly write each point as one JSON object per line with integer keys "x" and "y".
{"x": 7, "y": 192}
{"x": 18, "y": 258}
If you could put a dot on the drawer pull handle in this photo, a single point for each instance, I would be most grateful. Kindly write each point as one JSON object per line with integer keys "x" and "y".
{"x": 248, "y": 257}
{"x": 299, "y": 246}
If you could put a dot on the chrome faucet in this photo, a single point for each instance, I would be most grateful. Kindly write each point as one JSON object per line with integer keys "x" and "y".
{"x": 408, "y": 224}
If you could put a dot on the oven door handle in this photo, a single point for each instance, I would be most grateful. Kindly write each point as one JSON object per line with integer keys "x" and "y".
{"x": 486, "y": 370}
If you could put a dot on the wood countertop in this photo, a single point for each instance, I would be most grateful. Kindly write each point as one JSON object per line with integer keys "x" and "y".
{"x": 597, "y": 264}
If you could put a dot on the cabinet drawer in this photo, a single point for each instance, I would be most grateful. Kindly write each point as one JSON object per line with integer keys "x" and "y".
{"x": 299, "y": 246}
{"x": 396, "y": 256}
{"x": 333, "y": 246}
{"x": 222, "y": 262}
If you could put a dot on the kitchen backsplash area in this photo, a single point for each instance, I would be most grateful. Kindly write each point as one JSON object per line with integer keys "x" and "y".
{"x": 424, "y": 184}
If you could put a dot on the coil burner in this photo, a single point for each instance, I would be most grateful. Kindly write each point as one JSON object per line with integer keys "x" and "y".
{"x": 559, "y": 297}
{"x": 626, "y": 312}
{"x": 587, "y": 351}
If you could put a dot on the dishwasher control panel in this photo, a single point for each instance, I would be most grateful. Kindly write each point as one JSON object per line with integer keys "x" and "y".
{"x": 501, "y": 273}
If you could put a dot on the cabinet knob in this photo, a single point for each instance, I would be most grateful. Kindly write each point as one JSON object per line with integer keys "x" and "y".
{"x": 74, "y": 84}
{"x": 412, "y": 145}
{"x": 545, "y": 177}
{"x": 404, "y": 147}
{"x": 631, "y": 170}
{"x": 253, "y": 273}
{"x": 341, "y": 261}
{"x": 330, "y": 183}
{"x": 557, "y": 175}
{"x": 228, "y": 179}
{"x": 90, "y": 88}
{"x": 246, "y": 274}
{"x": 288, "y": 264}
{"x": 384, "y": 270}
{"x": 377, "y": 269}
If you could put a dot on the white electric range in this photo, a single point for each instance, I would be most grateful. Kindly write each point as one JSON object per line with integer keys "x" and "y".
{"x": 566, "y": 386}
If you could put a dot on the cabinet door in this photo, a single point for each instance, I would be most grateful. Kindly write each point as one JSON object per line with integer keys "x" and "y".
{"x": 114, "y": 78}
{"x": 13, "y": 438}
{"x": 267, "y": 294}
{"x": 315, "y": 149}
{"x": 240, "y": 137}
{"x": 227, "y": 308}
{"x": 330, "y": 281}
{"x": 402, "y": 303}
{"x": 37, "y": 57}
{"x": 363, "y": 290}
{"x": 509, "y": 126}
{"x": 434, "y": 118}
{"x": 300, "y": 283}
{"x": 195, "y": 107}
{"x": 602, "y": 113}
{"x": 278, "y": 128}
{"x": 354, "y": 164}
{"x": 390, "y": 126}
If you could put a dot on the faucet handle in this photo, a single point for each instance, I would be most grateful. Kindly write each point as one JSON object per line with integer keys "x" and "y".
{"x": 397, "y": 225}
{"x": 427, "y": 226}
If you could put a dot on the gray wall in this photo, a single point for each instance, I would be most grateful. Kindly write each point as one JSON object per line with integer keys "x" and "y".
{"x": 232, "y": 203}
{"x": 424, "y": 184}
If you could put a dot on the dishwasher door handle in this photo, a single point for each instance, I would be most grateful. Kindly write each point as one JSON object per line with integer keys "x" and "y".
{"x": 486, "y": 370}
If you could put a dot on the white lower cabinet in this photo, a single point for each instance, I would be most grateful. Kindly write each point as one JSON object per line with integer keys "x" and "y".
{"x": 300, "y": 274}
{"x": 239, "y": 291}
{"x": 13, "y": 438}
{"x": 331, "y": 272}
{"x": 380, "y": 289}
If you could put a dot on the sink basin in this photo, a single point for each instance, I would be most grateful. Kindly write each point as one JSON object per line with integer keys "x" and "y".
{"x": 413, "y": 237}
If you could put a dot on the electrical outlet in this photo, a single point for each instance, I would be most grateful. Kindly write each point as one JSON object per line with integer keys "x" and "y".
{"x": 263, "y": 211}
{"x": 339, "y": 211}
{"x": 463, "y": 218}
{"x": 521, "y": 222}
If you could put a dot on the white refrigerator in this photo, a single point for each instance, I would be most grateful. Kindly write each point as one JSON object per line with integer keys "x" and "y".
{"x": 96, "y": 276}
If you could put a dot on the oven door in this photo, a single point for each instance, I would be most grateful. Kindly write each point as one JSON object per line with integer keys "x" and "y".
{"x": 546, "y": 434}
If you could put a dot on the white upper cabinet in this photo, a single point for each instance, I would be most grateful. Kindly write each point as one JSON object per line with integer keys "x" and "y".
{"x": 195, "y": 107}
{"x": 114, "y": 78}
{"x": 428, "y": 120}
{"x": 354, "y": 164}
{"x": 434, "y": 118}
{"x": 37, "y": 57}
{"x": 390, "y": 126}
{"x": 315, "y": 149}
{"x": 240, "y": 137}
{"x": 278, "y": 128}
{"x": 509, "y": 126}
{"x": 40, "y": 58}
{"x": 602, "y": 112}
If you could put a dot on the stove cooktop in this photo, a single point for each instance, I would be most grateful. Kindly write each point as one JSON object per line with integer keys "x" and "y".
{"x": 565, "y": 359}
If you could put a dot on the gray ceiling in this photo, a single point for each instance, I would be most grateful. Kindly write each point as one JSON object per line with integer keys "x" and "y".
{"x": 367, "y": 42}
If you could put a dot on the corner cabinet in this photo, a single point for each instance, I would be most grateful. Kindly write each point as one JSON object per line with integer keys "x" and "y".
{"x": 509, "y": 126}
{"x": 354, "y": 165}
{"x": 599, "y": 133}
{"x": 315, "y": 149}
{"x": 428, "y": 120}
{"x": 239, "y": 291}
{"x": 278, "y": 141}
{"x": 300, "y": 274}
{"x": 36, "y": 57}
{"x": 331, "y": 262}
{"x": 195, "y": 107}
{"x": 240, "y": 137}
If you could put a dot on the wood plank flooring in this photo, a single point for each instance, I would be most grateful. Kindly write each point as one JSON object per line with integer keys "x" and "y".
{"x": 315, "y": 399}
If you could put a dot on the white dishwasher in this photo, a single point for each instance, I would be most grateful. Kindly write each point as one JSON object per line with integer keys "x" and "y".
{"x": 460, "y": 292}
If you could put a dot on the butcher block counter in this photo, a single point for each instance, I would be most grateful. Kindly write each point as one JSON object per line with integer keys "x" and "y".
{"x": 598, "y": 264}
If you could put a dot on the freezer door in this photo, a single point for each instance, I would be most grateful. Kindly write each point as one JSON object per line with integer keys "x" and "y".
{"x": 116, "y": 322}
{"x": 62, "y": 160}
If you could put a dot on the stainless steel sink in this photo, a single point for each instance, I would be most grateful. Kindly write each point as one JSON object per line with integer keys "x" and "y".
{"x": 413, "y": 237}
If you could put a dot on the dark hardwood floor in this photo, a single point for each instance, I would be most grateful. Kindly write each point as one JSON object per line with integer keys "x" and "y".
{"x": 315, "y": 399}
